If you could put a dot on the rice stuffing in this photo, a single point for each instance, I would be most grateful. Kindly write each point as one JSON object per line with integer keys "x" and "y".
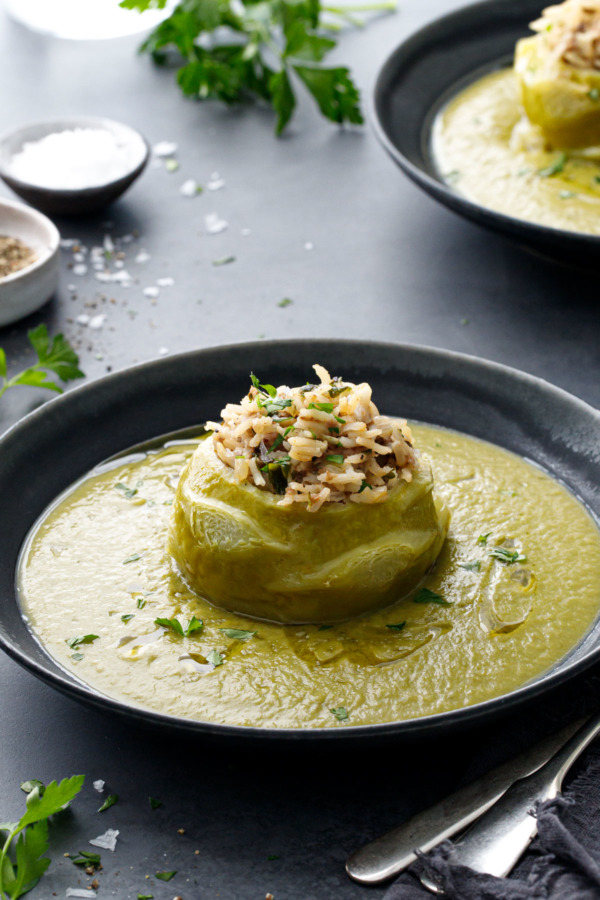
{"x": 315, "y": 444}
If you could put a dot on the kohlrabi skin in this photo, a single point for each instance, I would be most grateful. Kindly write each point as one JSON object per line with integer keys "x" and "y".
{"x": 238, "y": 548}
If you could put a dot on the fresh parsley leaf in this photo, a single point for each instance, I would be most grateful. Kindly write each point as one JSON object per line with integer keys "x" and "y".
{"x": 236, "y": 52}
{"x": 323, "y": 407}
{"x": 503, "y": 554}
{"x": 154, "y": 803}
{"x": 237, "y": 634}
{"x": 57, "y": 357}
{"x": 215, "y": 658}
{"x": 172, "y": 624}
{"x": 335, "y": 390}
{"x": 165, "y": 876}
{"x": 273, "y": 406}
{"x": 473, "y": 566}
{"x": 555, "y": 168}
{"x": 27, "y": 840}
{"x": 424, "y": 595}
{"x": 81, "y": 639}
{"x": 340, "y": 712}
{"x": 397, "y": 627}
{"x": 336, "y": 458}
{"x": 110, "y": 801}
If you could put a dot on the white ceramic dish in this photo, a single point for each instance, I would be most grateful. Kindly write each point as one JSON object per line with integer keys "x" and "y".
{"x": 26, "y": 290}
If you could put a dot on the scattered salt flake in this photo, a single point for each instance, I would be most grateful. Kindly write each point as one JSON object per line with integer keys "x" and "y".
{"x": 67, "y": 243}
{"x": 108, "y": 244}
{"x": 151, "y": 292}
{"x": 167, "y": 281}
{"x": 127, "y": 239}
{"x": 106, "y": 841}
{"x": 142, "y": 257}
{"x": 80, "y": 269}
{"x": 71, "y": 287}
{"x": 83, "y": 319}
{"x": 213, "y": 224}
{"x": 245, "y": 232}
{"x": 119, "y": 264}
{"x": 190, "y": 188}
{"x": 121, "y": 276}
{"x": 96, "y": 322}
{"x": 162, "y": 351}
{"x": 308, "y": 245}
{"x": 215, "y": 182}
{"x": 164, "y": 148}
{"x": 171, "y": 165}
{"x": 99, "y": 785}
{"x": 79, "y": 257}
{"x": 80, "y": 892}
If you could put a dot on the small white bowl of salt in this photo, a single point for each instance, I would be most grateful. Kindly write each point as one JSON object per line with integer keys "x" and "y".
{"x": 72, "y": 166}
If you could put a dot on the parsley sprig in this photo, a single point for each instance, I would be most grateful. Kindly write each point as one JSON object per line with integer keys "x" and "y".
{"x": 57, "y": 356}
{"x": 259, "y": 49}
{"x": 23, "y": 844}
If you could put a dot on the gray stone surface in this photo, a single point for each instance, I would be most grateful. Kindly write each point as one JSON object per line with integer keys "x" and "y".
{"x": 386, "y": 263}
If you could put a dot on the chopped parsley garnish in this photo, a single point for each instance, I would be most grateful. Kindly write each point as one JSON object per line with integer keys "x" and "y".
{"x": 145, "y": 897}
{"x": 266, "y": 389}
{"x": 398, "y": 626}
{"x": 365, "y": 484}
{"x": 215, "y": 658}
{"x": 89, "y": 860}
{"x": 237, "y": 634}
{"x": 81, "y": 639}
{"x": 110, "y": 801}
{"x": 323, "y": 407}
{"x": 340, "y": 712}
{"x": 503, "y": 554}
{"x": 336, "y": 458}
{"x": 165, "y": 876}
{"x": 277, "y": 463}
{"x": 594, "y": 94}
{"x": 335, "y": 390}
{"x": 473, "y": 565}
{"x": 175, "y": 625}
{"x": 28, "y": 786}
{"x": 127, "y": 617}
{"x": 223, "y": 260}
{"x": 133, "y": 558}
{"x": 77, "y": 656}
{"x": 154, "y": 803}
{"x": 128, "y": 492}
{"x": 424, "y": 595}
{"x": 555, "y": 168}
{"x": 141, "y": 602}
{"x": 274, "y": 406}
{"x": 287, "y": 301}
{"x": 482, "y": 539}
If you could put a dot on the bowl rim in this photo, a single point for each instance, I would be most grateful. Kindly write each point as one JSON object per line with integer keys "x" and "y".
{"x": 458, "y": 20}
{"x": 423, "y": 726}
{"x": 48, "y": 253}
{"x": 73, "y": 120}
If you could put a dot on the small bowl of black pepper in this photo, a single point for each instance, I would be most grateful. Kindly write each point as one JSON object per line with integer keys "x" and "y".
{"x": 29, "y": 260}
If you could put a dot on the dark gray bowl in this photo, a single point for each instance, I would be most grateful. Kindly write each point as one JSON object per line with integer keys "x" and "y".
{"x": 56, "y": 444}
{"x": 76, "y": 201}
{"x": 423, "y": 73}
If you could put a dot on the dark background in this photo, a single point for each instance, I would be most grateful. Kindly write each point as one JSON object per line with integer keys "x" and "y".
{"x": 386, "y": 263}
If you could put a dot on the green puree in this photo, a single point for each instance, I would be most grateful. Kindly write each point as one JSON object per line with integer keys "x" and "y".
{"x": 509, "y": 596}
{"x": 479, "y": 152}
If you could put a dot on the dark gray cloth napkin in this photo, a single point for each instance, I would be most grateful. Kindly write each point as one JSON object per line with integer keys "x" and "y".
{"x": 562, "y": 863}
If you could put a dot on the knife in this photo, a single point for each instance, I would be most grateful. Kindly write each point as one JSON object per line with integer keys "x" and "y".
{"x": 495, "y": 843}
{"x": 396, "y": 850}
